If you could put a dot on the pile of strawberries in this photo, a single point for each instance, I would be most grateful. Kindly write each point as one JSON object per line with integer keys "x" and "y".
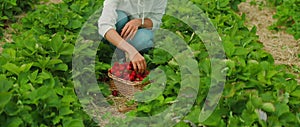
{"x": 126, "y": 71}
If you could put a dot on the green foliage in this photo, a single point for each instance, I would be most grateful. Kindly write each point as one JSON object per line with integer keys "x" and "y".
{"x": 11, "y": 8}
{"x": 36, "y": 79}
{"x": 287, "y": 15}
{"x": 275, "y": 3}
{"x": 254, "y": 85}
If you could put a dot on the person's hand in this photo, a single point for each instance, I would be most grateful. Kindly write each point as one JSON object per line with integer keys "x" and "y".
{"x": 138, "y": 62}
{"x": 130, "y": 29}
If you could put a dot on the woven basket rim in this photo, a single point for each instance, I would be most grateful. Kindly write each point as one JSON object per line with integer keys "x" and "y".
{"x": 127, "y": 82}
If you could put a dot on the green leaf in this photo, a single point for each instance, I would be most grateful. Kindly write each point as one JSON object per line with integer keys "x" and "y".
{"x": 73, "y": 123}
{"x": 5, "y": 85}
{"x": 11, "y": 53}
{"x": 160, "y": 56}
{"x": 53, "y": 100}
{"x": 44, "y": 75}
{"x": 214, "y": 119}
{"x": 229, "y": 48}
{"x": 296, "y": 93}
{"x": 12, "y": 109}
{"x": 32, "y": 77}
{"x": 57, "y": 119}
{"x": 68, "y": 99}
{"x": 67, "y": 49}
{"x": 268, "y": 107}
{"x": 56, "y": 43}
{"x": 4, "y": 99}
{"x": 65, "y": 110}
{"x": 26, "y": 67}
{"x": 194, "y": 115}
{"x": 42, "y": 63}
{"x": 145, "y": 108}
{"x": 54, "y": 61}
{"x": 256, "y": 101}
{"x": 75, "y": 24}
{"x": 60, "y": 67}
{"x": 30, "y": 43}
{"x": 14, "y": 122}
{"x": 241, "y": 51}
{"x": 288, "y": 118}
{"x": 40, "y": 93}
{"x": 281, "y": 109}
{"x": 182, "y": 124}
{"x": 12, "y": 68}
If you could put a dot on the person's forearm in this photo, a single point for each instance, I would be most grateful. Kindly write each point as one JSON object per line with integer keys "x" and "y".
{"x": 114, "y": 37}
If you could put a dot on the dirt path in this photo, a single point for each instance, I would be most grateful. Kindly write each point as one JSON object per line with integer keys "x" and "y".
{"x": 282, "y": 46}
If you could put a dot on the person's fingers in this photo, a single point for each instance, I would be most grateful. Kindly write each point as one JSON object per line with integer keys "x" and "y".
{"x": 140, "y": 68}
{"x": 128, "y": 36}
{"x": 134, "y": 64}
{"x": 133, "y": 34}
{"x": 139, "y": 63}
{"x": 124, "y": 30}
{"x": 142, "y": 65}
{"x": 128, "y": 30}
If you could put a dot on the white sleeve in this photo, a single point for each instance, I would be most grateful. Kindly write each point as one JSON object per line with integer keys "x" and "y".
{"x": 158, "y": 12}
{"x": 108, "y": 17}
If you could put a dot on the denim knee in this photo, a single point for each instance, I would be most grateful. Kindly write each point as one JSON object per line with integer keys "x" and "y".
{"x": 121, "y": 21}
{"x": 142, "y": 40}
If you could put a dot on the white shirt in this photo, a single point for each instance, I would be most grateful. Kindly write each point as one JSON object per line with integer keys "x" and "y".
{"x": 152, "y": 9}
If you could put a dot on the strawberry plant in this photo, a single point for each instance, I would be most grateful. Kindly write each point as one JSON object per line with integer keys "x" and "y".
{"x": 38, "y": 64}
{"x": 287, "y": 17}
{"x": 11, "y": 8}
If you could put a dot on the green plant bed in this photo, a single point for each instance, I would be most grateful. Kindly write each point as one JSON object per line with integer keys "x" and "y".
{"x": 287, "y": 17}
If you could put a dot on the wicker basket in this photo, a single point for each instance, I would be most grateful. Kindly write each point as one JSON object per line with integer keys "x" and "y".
{"x": 126, "y": 87}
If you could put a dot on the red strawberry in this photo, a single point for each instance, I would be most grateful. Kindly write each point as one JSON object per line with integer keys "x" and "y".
{"x": 115, "y": 93}
{"x": 133, "y": 73}
{"x": 122, "y": 67}
{"x": 114, "y": 69}
{"x": 139, "y": 77}
{"x": 126, "y": 78}
{"x": 126, "y": 75}
{"x": 132, "y": 78}
{"x": 118, "y": 74}
{"x": 129, "y": 66}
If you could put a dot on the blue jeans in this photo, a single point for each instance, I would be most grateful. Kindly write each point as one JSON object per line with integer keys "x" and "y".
{"x": 142, "y": 41}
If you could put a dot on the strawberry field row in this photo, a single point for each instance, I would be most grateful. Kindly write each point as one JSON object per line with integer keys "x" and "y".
{"x": 11, "y": 8}
{"x": 287, "y": 15}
